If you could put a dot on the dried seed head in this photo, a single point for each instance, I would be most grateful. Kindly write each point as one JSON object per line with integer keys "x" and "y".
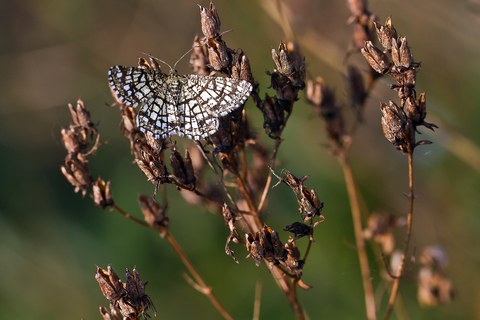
{"x": 356, "y": 89}
{"x": 394, "y": 122}
{"x": 293, "y": 257}
{"x": 401, "y": 56}
{"x": 434, "y": 288}
{"x": 287, "y": 66}
{"x": 102, "y": 194}
{"x": 112, "y": 315}
{"x": 386, "y": 33}
{"x": 154, "y": 214}
{"x": 255, "y": 249}
{"x": 110, "y": 284}
{"x": 241, "y": 68}
{"x": 130, "y": 297}
{"x": 210, "y": 21}
{"x": 376, "y": 58}
{"x": 218, "y": 55}
{"x": 80, "y": 115}
{"x": 72, "y": 140}
{"x": 77, "y": 173}
{"x": 380, "y": 230}
{"x": 272, "y": 237}
{"x": 229, "y": 217}
{"x": 199, "y": 58}
{"x": 315, "y": 91}
{"x": 357, "y": 7}
{"x": 434, "y": 257}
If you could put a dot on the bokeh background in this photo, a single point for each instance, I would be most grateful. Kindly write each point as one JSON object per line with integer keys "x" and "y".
{"x": 54, "y": 51}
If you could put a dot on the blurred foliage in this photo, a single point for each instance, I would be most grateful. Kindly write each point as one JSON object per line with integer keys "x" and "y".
{"x": 54, "y": 51}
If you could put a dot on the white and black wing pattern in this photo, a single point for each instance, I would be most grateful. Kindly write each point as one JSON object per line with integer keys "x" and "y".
{"x": 189, "y": 105}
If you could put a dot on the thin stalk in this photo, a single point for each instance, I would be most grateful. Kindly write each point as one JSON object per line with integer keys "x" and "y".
{"x": 357, "y": 226}
{"x": 401, "y": 270}
{"x": 199, "y": 281}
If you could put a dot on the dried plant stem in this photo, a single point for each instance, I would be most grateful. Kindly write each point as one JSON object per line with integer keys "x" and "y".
{"x": 220, "y": 179}
{"x": 357, "y": 224}
{"x": 130, "y": 217}
{"x": 200, "y": 284}
{"x": 269, "y": 179}
{"x": 401, "y": 270}
{"x": 204, "y": 288}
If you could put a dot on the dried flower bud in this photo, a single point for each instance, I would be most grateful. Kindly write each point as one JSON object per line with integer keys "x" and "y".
{"x": 71, "y": 140}
{"x": 386, "y": 34}
{"x": 435, "y": 257}
{"x": 357, "y": 7}
{"x": 288, "y": 67}
{"x": 327, "y": 107}
{"x": 80, "y": 115}
{"x": 178, "y": 167}
{"x": 210, "y": 21}
{"x": 112, "y": 315}
{"x": 102, "y": 194}
{"x": 310, "y": 204}
{"x": 315, "y": 91}
{"x": 376, "y": 58}
{"x": 293, "y": 257}
{"x": 77, "y": 173}
{"x": 401, "y": 56}
{"x": 277, "y": 245}
{"x": 241, "y": 68}
{"x": 394, "y": 122}
{"x": 360, "y": 36}
{"x": 199, "y": 58}
{"x": 154, "y": 214}
{"x": 129, "y": 120}
{"x": 229, "y": 217}
{"x": 433, "y": 288}
{"x": 380, "y": 230}
{"x": 356, "y": 87}
{"x": 110, "y": 284}
{"x": 255, "y": 249}
{"x": 218, "y": 55}
{"x": 298, "y": 229}
{"x": 130, "y": 297}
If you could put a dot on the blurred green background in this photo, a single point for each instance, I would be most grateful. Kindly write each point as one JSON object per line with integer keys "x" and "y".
{"x": 53, "y": 52}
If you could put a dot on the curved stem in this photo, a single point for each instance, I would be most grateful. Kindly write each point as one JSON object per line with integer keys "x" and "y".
{"x": 205, "y": 289}
{"x": 199, "y": 281}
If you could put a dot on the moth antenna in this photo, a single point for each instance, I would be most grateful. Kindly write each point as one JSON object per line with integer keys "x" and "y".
{"x": 182, "y": 57}
{"x": 147, "y": 54}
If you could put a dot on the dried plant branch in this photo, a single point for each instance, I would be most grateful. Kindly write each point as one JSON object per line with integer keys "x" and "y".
{"x": 359, "y": 240}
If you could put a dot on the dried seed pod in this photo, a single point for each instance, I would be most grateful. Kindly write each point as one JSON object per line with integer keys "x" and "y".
{"x": 241, "y": 68}
{"x": 210, "y": 21}
{"x": 154, "y": 214}
{"x": 434, "y": 288}
{"x": 77, "y": 173}
{"x": 110, "y": 284}
{"x": 394, "y": 122}
{"x": 386, "y": 33}
{"x": 102, "y": 194}
{"x": 199, "y": 58}
{"x": 218, "y": 55}
{"x": 72, "y": 140}
{"x": 255, "y": 249}
{"x": 376, "y": 58}
{"x": 435, "y": 257}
